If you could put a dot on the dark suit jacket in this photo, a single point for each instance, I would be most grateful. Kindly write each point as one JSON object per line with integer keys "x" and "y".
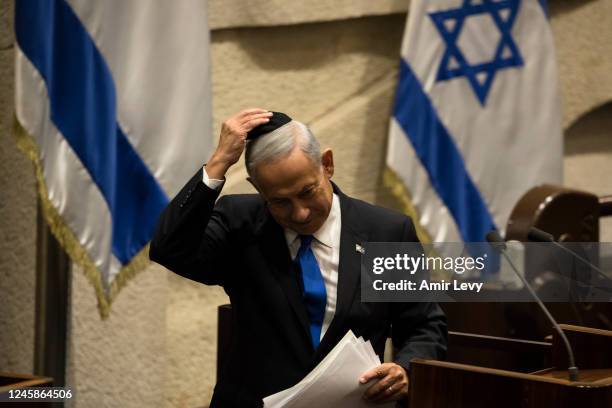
{"x": 235, "y": 243}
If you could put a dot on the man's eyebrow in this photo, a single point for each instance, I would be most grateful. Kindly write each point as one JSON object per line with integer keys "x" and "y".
{"x": 307, "y": 187}
{"x": 304, "y": 189}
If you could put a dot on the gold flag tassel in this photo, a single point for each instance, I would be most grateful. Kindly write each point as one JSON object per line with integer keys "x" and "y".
{"x": 399, "y": 191}
{"x": 65, "y": 236}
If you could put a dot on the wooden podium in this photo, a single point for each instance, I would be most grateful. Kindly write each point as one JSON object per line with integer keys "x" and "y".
{"x": 437, "y": 384}
{"x": 14, "y": 381}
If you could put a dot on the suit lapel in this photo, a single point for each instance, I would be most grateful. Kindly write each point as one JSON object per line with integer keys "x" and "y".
{"x": 275, "y": 249}
{"x": 349, "y": 272}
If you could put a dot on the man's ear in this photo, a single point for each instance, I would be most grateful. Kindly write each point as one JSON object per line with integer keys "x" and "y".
{"x": 327, "y": 161}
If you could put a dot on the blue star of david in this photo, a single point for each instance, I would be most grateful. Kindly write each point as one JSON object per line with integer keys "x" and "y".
{"x": 454, "y": 64}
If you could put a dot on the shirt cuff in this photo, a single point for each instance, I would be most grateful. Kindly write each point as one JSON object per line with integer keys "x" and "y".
{"x": 213, "y": 184}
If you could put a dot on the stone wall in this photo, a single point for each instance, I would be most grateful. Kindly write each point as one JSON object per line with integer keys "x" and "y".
{"x": 17, "y": 223}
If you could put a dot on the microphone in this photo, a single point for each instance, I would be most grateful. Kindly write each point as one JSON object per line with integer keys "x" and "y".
{"x": 498, "y": 243}
{"x": 537, "y": 235}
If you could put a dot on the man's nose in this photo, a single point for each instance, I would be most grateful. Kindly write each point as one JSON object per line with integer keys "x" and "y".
{"x": 300, "y": 214}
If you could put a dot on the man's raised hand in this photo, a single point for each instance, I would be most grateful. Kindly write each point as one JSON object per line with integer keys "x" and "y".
{"x": 233, "y": 139}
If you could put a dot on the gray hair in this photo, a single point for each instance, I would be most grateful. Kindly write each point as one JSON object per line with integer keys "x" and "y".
{"x": 280, "y": 143}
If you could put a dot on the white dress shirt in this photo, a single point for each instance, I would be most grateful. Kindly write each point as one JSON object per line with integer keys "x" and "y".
{"x": 325, "y": 246}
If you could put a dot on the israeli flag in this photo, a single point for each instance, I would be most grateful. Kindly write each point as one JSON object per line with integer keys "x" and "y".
{"x": 476, "y": 121}
{"x": 113, "y": 107}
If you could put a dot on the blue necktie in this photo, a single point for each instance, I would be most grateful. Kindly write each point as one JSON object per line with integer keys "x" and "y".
{"x": 315, "y": 295}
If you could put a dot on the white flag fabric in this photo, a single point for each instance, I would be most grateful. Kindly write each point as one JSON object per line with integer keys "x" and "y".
{"x": 476, "y": 121}
{"x": 113, "y": 107}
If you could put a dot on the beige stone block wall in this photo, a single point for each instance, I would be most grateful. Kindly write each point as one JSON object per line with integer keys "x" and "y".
{"x": 192, "y": 341}
{"x": 121, "y": 361}
{"x": 583, "y": 36}
{"x": 17, "y": 223}
{"x": 249, "y": 13}
{"x": 588, "y": 158}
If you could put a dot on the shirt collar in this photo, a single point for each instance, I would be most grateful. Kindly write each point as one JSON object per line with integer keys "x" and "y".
{"x": 324, "y": 234}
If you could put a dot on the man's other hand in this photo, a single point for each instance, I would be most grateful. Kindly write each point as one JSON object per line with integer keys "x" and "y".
{"x": 391, "y": 383}
{"x": 233, "y": 140}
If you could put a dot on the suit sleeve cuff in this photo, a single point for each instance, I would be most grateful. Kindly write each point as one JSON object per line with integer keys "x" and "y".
{"x": 213, "y": 184}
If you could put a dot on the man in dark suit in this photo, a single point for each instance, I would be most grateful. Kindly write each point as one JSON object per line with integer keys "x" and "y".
{"x": 288, "y": 259}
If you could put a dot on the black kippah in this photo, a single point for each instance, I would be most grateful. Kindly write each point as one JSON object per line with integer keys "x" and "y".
{"x": 277, "y": 120}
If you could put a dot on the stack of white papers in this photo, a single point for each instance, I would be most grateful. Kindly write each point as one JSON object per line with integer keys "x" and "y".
{"x": 335, "y": 381}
